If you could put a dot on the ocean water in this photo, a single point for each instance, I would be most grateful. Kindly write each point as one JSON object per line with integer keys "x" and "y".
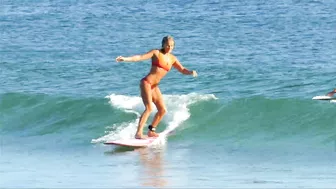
{"x": 247, "y": 121}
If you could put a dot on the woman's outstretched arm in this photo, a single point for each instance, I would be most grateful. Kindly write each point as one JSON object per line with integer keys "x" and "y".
{"x": 136, "y": 58}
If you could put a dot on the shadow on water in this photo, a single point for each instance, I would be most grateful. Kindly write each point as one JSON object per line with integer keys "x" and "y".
{"x": 151, "y": 173}
{"x": 120, "y": 150}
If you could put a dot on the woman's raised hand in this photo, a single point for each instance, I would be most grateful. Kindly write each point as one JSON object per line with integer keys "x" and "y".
{"x": 194, "y": 73}
{"x": 120, "y": 59}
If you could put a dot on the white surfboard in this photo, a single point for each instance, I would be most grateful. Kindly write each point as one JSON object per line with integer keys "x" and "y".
{"x": 132, "y": 142}
{"x": 137, "y": 143}
{"x": 323, "y": 98}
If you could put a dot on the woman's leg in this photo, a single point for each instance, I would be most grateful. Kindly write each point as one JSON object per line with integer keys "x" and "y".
{"x": 158, "y": 101}
{"x": 331, "y": 93}
{"x": 146, "y": 95}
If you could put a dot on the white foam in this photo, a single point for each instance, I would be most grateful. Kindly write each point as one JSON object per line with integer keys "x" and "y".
{"x": 177, "y": 112}
{"x": 126, "y": 103}
{"x": 124, "y": 131}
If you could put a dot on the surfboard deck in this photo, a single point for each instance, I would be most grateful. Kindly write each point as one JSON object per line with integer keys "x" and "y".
{"x": 323, "y": 97}
{"x": 132, "y": 142}
{"x": 138, "y": 143}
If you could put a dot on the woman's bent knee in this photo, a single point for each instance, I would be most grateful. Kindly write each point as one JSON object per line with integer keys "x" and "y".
{"x": 162, "y": 111}
{"x": 148, "y": 109}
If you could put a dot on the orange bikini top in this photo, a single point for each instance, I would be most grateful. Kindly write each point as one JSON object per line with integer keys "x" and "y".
{"x": 161, "y": 63}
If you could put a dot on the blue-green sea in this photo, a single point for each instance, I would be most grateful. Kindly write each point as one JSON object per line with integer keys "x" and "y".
{"x": 247, "y": 121}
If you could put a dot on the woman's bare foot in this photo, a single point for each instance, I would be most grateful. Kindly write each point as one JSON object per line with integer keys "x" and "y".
{"x": 139, "y": 136}
{"x": 152, "y": 134}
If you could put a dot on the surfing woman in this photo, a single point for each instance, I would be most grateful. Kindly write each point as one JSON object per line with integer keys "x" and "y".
{"x": 162, "y": 61}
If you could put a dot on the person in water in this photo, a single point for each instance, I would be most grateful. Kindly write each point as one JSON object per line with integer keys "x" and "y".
{"x": 331, "y": 93}
{"x": 162, "y": 61}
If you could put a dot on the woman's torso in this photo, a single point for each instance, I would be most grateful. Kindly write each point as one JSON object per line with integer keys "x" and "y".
{"x": 161, "y": 64}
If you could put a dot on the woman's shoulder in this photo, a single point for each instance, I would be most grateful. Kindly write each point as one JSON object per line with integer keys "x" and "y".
{"x": 173, "y": 56}
{"x": 155, "y": 50}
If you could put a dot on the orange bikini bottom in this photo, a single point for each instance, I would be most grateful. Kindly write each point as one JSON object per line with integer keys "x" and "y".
{"x": 146, "y": 81}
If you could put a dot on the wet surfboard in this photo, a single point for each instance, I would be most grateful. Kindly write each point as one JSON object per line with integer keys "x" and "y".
{"x": 323, "y": 97}
{"x": 132, "y": 142}
{"x": 138, "y": 143}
